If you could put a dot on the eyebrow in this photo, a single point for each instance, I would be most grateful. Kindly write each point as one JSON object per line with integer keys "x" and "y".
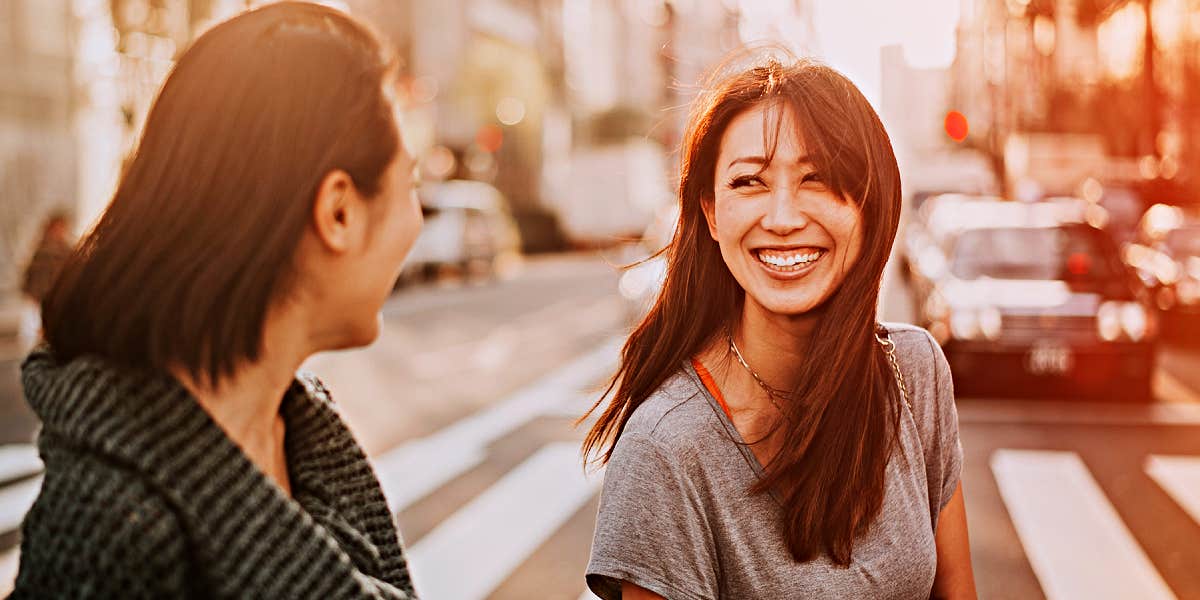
{"x": 762, "y": 160}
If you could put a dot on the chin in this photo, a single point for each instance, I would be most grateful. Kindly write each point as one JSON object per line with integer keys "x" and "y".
{"x": 361, "y": 334}
{"x": 790, "y": 309}
{"x": 787, "y": 305}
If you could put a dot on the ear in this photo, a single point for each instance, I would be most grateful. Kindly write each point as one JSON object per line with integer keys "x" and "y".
{"x": 332, "y": 211}
{"x": 708, "y": 204}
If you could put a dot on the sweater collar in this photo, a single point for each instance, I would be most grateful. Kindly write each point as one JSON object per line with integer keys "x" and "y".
{"x": 148, "y": 421}
{"x": 231, "y": 511}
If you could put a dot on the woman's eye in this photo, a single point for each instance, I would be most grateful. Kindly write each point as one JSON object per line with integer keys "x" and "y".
{"x": 814, "y": 177}
{"x": 744, "y": 181}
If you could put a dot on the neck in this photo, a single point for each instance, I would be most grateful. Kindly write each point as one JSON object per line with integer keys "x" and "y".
{"x": 773, "y": 344}
{"x": 246, "y": 404}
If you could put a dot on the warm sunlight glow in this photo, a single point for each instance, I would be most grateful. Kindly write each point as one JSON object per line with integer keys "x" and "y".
{"x": 1121, "y": 41}
{"x": 851, "y": 33}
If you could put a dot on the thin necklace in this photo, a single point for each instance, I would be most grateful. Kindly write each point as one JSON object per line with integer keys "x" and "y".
{"x": 772, "y": 393}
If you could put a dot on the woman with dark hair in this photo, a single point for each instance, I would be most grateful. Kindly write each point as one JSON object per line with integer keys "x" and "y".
{"x": 767, "y": 438}
{"x": 263, "y": 218}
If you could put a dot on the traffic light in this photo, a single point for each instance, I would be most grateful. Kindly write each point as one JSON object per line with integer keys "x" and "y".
{"x": 956, "y": 126}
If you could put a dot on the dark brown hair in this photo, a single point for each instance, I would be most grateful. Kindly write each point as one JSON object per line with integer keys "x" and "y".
{"x": 200, "y": 235}
{"x": 841, "y": 428}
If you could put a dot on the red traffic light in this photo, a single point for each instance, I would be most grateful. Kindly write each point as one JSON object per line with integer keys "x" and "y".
{"x": 956, "y": 125}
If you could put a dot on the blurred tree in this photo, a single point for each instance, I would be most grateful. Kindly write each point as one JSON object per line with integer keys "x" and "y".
{"x": 617, "y": 124}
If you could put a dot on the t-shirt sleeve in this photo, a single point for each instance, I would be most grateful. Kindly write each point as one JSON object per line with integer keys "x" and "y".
{"x": 651, "y": 529}
{"x": 946, "y": 426}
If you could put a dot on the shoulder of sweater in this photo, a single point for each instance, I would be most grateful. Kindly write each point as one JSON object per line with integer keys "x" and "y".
{"x": 98, "y": 529}
{"x": 107, "y": 509}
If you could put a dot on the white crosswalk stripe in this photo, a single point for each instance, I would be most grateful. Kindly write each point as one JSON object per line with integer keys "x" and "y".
{"x": 15, "y": 501}
{"x": 414, "y": 469}
{"x": 1076, "y": 542}
{"x": 474, "y": 550}
{"x": 19, "y": 460}
{"x": 20, "y": 466}
{"x": 1180, "y": 477}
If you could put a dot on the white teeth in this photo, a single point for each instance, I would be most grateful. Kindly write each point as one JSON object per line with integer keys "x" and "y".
{"x": 781, "y": 260}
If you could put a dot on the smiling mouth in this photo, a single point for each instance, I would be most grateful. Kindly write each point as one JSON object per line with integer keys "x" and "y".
{"x": 789, "y": 260}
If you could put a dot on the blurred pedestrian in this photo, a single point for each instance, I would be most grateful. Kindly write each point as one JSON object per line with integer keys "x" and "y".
{"x": 53, "y": 248}
{"x": 767, "y": 438}
{"x": 263, "y": 218}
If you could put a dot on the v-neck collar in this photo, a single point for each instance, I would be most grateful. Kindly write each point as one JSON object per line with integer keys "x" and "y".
{"x": 725, "y": 420}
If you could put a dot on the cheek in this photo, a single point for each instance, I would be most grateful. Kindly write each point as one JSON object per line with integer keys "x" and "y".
{"x": 733, "y": 219}
{"x": 408, "y": 222}
{"x": 849, "y": 233}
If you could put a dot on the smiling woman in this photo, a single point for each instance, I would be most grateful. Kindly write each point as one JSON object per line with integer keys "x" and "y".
{"x": 765, "y": 436}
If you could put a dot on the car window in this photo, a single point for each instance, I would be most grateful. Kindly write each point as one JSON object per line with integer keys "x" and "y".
{"x": 1050, "y": 253}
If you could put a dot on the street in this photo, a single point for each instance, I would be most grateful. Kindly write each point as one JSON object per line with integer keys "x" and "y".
{"x": 467, "y": 403}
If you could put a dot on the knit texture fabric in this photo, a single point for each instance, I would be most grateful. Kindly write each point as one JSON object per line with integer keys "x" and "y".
{"x": 144, "y": 496}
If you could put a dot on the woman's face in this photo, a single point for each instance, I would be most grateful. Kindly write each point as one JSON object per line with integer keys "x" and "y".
{"x": 395, "y": 221}
{"x": 788, "y": 239}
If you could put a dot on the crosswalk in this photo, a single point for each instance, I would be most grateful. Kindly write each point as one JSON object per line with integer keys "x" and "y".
{"x": 473, "y": 551}
{"x": 1076, "y": 542}
{"x": 405, "y": 471}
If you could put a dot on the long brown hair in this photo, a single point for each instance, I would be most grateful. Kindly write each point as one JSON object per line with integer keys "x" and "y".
{"x": 841, "y": 427}
{"x": 200, "y": 236}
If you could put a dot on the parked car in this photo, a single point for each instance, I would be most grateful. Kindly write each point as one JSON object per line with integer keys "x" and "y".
{"x": 917, "y": 232}
{"x": 1123, "y": 206}
{"x": 1166, "y": 258}
{"x": 468, "y": 227}
{"x": 1030, "y": 298}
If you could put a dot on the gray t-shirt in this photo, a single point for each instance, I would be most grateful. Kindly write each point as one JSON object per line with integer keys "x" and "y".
{"x": 677, "y": 517}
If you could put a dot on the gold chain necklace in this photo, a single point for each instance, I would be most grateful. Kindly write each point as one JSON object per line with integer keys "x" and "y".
{"x": 772, "y": 393}
{"x": 885, "y": 340}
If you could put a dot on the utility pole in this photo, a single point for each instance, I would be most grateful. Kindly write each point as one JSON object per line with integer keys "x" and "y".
{"x": 1148, "y": 137}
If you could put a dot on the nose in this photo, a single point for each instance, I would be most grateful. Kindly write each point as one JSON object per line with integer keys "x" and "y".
{"x": 784, "y": 213}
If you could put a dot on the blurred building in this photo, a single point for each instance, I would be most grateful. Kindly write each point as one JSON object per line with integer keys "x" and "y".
{"x": 535, "y": 96}
{"x": 568, "y": 106}
{"x": 76, "y": 82}
{"x": 914, "y": 104}
{"x": 39, "y": 164}
{"x": 1121, "y": 71}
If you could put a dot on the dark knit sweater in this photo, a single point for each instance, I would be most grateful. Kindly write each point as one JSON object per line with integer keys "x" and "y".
{"x": 145, "y": 496}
